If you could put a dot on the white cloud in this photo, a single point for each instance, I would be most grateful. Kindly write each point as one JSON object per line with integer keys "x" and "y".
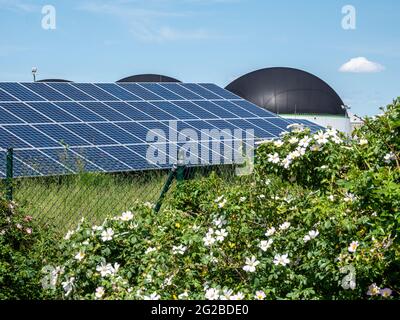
{"x": 361, "y": 65}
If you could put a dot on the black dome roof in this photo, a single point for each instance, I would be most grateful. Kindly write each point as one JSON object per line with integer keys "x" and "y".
{"x": 53, "y": 80}
{"x": 148, "y": 78}
{"x": 288, "y": 91}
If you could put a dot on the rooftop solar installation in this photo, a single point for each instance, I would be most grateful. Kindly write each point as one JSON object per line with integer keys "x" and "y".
{"x": 63, "y": 128}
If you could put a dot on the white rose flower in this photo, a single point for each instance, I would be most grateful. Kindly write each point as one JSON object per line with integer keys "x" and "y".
{"x": 251, "y": 264}
{"x": 99, "y": 292}
{"x": 212, "y": 294}
{"x": 281, "y": 260}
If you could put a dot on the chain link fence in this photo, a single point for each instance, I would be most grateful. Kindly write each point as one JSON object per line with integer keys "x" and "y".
{"x": 62, "y": 201}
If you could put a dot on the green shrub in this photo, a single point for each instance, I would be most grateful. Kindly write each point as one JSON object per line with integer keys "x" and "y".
{"x": 176, "y": 252}
{"x": 322, "y": 224}
{"x": 24, "y": 248}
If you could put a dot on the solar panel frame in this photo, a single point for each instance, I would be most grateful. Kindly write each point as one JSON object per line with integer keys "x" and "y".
{"x": 100, "y": 118}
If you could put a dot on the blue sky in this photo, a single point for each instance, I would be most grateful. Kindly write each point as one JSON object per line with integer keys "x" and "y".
{"x": 207, "y": 41}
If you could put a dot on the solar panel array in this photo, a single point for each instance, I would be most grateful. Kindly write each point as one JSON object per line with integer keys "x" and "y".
{"x": 62, "y": 128}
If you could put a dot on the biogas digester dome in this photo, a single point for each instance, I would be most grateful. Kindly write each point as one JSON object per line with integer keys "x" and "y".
{"x": 148, "y": 78}
{"x": 293, "y": 93}
{"x": 54, "y": 80}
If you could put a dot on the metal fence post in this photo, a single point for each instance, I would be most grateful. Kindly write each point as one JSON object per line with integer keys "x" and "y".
{"x": 177, "y": 172}
{"x": 9, "y": 174}
{"x": 165, "y": 189}
{"x": 180, "y": 171}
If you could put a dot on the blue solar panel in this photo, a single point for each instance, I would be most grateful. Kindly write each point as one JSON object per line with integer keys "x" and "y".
{"x": 118, "y": 92}
{"x": 63, "y": 128}
{"x": 161, "y": 91}
{"x": 8, "y": 140}
{"x": 235, "y": 109}
{"x": 102, "y": 159}
{"x": 23, "y": 168}
{"x": 174, "y": 110}
{"x": 245, "y": 126}
{"x": 68, "y": 90}
{"x": 221, "y": 92}
{"x": 222, "y": 124}
{"x": 61, "y": 135}
{"x": 80, "y": 112}
{"x": 279, "y": 122}
{"x": 141, "y": 160}
{"x": 8, "y": 118}
{"x": 265, "y": 123}
{"x": 206, "y": 132}
{"x": 195, "y": 109}
{"x": 257, "y": 111}
{"x": 127, "y": 156}
{"x": 139, "y": 91}
{"x": 135, "y": 129}
{"x": 261, "y": 128}
{"x": 116, "y": 133}
{"x": 198, "y": 125}
{"x": 25, "y": 112}
{"x": 130, "y": 111}
{"x": 20, "y": 92}
{"x": 2, "y": 164}
{"x": 154, "y": 125}
{"x": 151, "y": 110}
{"x": 45, "y": 91}
{"x": 104, "y": 111}
{"x": 37, "y": 161}
{"x": 53, "y": 112}
{"x": 6, "y": 97}
{"x": 89, "y": 134}
{"x": 181, "y": 91}
{"x": 32, "y": 136}
{"x": 215, "y": 109}
{"x": 92, "y": 90}
{"x": 71, "y": 160}
{"x": 206, "y": 94}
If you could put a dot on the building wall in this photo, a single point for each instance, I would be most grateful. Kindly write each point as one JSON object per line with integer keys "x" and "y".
{"x": 339, "y": 123}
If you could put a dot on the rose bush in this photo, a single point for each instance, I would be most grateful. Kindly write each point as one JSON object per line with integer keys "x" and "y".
{"x": 319, "y": 218}
{"x": 24, "y": 248}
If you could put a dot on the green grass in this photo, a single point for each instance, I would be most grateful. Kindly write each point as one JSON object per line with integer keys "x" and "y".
{"x": 62, "y": 201}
